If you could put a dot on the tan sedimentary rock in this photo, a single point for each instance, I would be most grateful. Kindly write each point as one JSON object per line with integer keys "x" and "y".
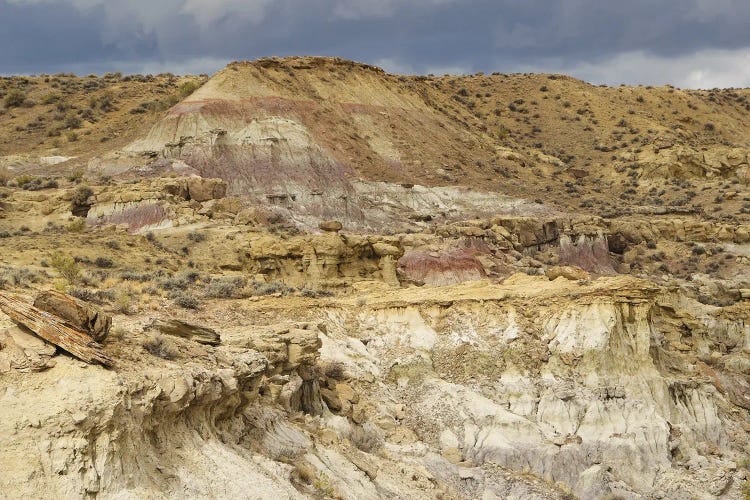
{"x": 21, "y": 350}
{"x": 330, "y": 225}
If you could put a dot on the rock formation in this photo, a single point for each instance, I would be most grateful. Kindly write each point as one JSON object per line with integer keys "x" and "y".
{"x": 312, "y": 279}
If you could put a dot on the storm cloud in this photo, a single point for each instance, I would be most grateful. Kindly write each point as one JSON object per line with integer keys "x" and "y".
{"x": 690, "y": 43}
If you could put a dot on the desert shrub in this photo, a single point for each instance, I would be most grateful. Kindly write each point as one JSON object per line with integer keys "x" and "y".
{"x": 76, "y": 226}
{"x": 50, "y": 98}
{"x": 124, "y": 302}
{"x": 106, "y": 103}
{"x": 225, "y": 287}
{"x": 113, "y": 244}
{"x": 75, "y": 176}
{"x": 188, "y": 88}
{"x": 81, "y": 195}
{"x": 72, "y": 121}
{"x": 196, "y": 237}
{"x": 161, "y": 346}
{"x": 14, "y": 99}
{"x": 130, "y": 275}
{"x": 104, "y": 262}
{"x": 334, "y": 370}
{"x": 31, "y": 183}
{"x": 271, "y": 288}
{"x": 366, "y": 438}
{"x": 185, "y": 300}
{"x": 18, "y": 276}
{"x": 84, "y": 294}
{"x": 314, "y": 293}
{"x": 180, "y": 281}
{"x": 66, "y": 266}
{"x": 93, "y": 296}
{"x": 92, "y": 278}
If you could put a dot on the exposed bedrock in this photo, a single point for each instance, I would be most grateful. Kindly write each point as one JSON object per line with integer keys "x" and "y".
{"x": 586, "y": 392}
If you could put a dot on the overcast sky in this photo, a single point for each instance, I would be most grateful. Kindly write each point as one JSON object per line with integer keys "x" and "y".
{"x": 689, "y": 43}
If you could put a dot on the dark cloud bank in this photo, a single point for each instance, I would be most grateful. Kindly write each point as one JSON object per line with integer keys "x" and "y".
{"x": 692, "y": 43}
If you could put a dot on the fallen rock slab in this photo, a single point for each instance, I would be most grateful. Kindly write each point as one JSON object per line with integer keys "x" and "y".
{"x": 21, "y": 350}
{"x": 78, "y": 313}
{"x": 54, "y": 330}
{"x": 182, "y": 329}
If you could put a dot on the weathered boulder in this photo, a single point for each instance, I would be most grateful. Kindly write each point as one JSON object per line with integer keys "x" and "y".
{"x": 201, "y": 189}
{"x": 78, "y": 313}
{"x": 567, "y": 272}
{"x": 382, "y": 249}
{"x": 330, "y": 225}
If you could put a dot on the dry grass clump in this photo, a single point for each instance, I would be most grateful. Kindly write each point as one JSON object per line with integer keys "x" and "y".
{"x": 161, "y": 346}
{"x": 335, "y": 370}
{"x": 366, "y": 438}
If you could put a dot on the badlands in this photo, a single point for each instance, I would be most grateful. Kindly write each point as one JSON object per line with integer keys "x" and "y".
{"x": 308, "y": 278}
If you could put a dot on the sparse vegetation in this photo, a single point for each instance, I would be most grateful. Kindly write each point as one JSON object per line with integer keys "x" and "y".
{"x": 14, "y": 99}
{"x": 66, "y": 266}
{"x": 104, "y": 262}
{"x": 185, "y": 299}
{"x": 81, "y": 195}
{"x": 161, "y": 346}
{"x": 225, "y": 287}
{"x": 271, "y": 288}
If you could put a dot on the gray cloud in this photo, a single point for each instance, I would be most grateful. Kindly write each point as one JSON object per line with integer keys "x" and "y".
{"x": 686, "y": 42}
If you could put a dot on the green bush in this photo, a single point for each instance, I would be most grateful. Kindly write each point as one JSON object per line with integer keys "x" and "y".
{"x": 66, "y": 266}
{"x": 188, "y": 88}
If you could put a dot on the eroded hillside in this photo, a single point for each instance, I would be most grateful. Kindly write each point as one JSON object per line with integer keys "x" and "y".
{"x": 312, "y": 279}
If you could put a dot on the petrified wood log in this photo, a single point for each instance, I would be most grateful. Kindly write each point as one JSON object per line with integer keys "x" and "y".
{"x": 54, "y": 330}
{"x": 200, "y": 334}
{"x": 78, "y": 313}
